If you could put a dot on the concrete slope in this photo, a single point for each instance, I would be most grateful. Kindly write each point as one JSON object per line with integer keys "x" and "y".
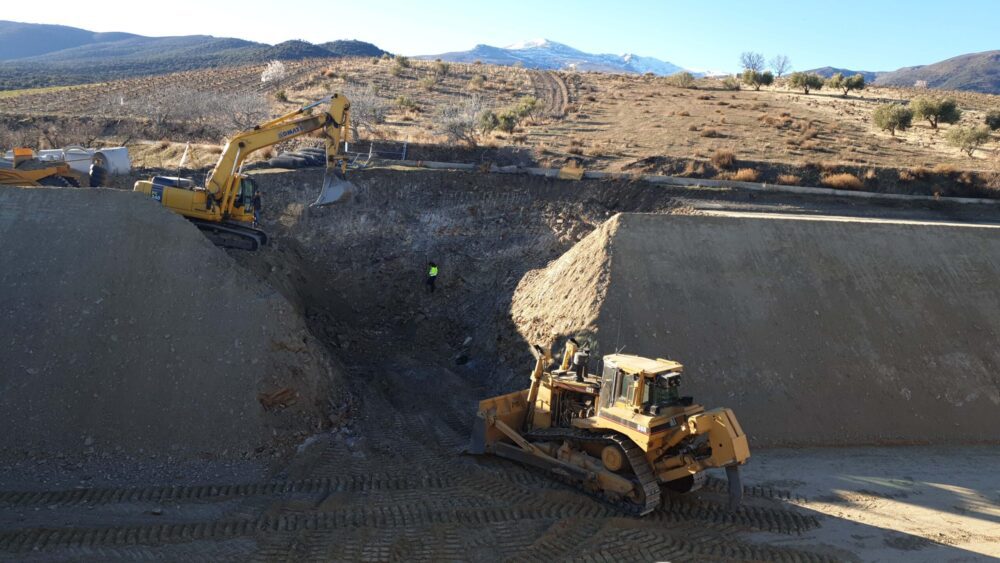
{"x": 121, "y": 326}
{"x": 815, "y": 331}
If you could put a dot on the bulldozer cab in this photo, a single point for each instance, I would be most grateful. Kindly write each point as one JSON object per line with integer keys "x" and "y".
{"x": 641, "y": 385}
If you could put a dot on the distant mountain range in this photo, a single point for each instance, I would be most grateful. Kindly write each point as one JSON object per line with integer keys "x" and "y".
{"x": 544, "y": 54}
{"x": 978, "y": 72}
{"x": 828, "y": 71}
{"x": 34, "y": 55}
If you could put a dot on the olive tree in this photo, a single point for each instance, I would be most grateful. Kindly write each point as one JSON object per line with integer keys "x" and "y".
{"x": 757, "y": 79}
{"x": 968, "y": 139}
{"x": 936, "y": 110}
{"x": 893, "y": 117}
{"x": 805, "y": 81}
{"x": 846, "y": 83}
{"x": 993, "y": 120}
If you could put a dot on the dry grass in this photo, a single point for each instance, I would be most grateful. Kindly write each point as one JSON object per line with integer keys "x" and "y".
{"x": 746, "y": 175}
{"x": 789, "y": 180}
{"x": 842, "y": 181}
{"x": 723, "y": 159}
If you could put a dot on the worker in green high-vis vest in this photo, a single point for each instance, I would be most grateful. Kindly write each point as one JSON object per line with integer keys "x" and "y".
{"x": 432, "y": 274}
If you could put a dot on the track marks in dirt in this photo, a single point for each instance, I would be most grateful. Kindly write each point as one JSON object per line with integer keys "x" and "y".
{"x": 552, "y": 91}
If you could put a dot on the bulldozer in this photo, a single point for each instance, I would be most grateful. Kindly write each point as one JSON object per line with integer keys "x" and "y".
{"x": 223, "y": 208}
{"x": 620, "y": 434}
{"x": 24, "y": 169}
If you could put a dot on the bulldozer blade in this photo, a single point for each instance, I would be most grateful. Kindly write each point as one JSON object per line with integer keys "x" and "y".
{"x": 735, "y": 486}
{"x": 336, "y": 189}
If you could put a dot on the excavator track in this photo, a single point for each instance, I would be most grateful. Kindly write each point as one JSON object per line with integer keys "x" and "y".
{"x": 232, "y": 235}
{"x": 645, "y": 481}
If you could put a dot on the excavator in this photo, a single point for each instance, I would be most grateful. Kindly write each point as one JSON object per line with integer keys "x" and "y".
{"x": 619, "y": 435}
{"x": 223, "y": 208}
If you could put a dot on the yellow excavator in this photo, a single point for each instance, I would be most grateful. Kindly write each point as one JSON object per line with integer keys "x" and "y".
{"x": 619, "y": 435}
{"x": 223, "y": 209}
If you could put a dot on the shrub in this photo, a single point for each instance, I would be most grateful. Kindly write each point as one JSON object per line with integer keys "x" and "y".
{"x": 711, "y": 133}
{"x": 680, "y": 80}
{"x": 525, "y": 106}
{"x": 477, "y": 82}
{"x": 968, "y": 139}
{"x": 936, "y": 110}
{"x": 746, "y": 175}
{"x": 428, "y": 82}
{"x": 406, "y": 103}
{"x": 441, "y": 68}
{"x": 892, "y": 117}
{"x": 487, "y": 121}
{"x": 401, "y": 61}
{"x": 789, "y": 180}
{"x": 757, "y": 79}
{"x": 281, "y": 96}
{"x": 731, "y": 83}
{"x": 507, "y": 121}
{"x": 840, "y": 82}
{"x": 723, "y": 159}
{"x": 842, "y": 181}
{"x": 805, "y": 81}
{"x": 993, "y": 120}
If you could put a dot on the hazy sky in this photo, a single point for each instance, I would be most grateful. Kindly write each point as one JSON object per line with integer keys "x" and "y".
{"x": 702, "y": 35}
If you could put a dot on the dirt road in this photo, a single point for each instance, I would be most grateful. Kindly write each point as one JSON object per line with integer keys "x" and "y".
{"x": 551, "y": 90}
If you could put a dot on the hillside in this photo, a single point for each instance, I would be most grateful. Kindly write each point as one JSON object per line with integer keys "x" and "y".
{"x": 977, "y": 72}
{"x": 828, "y": 71}
{"x": 544, "y": 54}
{"x": 35, "y": 55}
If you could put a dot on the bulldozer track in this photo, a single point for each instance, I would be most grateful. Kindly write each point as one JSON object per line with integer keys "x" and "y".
{"x": 352, "y": 483}
{"x": 397, "y": 516}
{"x": 646, "y": 479}
{"x": 721, "y": 486}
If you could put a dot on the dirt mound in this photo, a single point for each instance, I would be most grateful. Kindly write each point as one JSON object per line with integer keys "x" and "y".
{"x": 816, "y": 331}
{"x": 122, "y": 328}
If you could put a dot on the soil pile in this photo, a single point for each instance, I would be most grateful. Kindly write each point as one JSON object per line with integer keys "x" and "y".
{"x": 815, "y": 331}
{"x": 122, "y": 328}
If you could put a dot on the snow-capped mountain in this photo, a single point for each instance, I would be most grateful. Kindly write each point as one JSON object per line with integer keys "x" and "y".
{"x": 550, "y": 55}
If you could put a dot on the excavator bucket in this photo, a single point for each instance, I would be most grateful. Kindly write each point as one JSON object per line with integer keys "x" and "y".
{"x": 336, "y": 188}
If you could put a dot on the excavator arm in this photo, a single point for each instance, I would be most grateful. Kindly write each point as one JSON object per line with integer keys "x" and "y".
{"x": 334, "y": 122}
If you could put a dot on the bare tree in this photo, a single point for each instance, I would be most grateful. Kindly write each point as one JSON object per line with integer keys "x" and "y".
{"x": 368, "y": 109}
{"x": 240, "y": 110}
{"x": 752, "y": 61}
{"x": 781, "y": 64}
{"x": 459, "y": 121}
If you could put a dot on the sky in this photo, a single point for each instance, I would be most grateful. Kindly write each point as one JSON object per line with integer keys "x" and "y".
{"x": 700, "y": 35}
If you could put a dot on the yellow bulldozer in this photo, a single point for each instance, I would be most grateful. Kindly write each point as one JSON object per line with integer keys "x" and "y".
{"x": 223, "y": 208}
{"x": 620, "y": 434}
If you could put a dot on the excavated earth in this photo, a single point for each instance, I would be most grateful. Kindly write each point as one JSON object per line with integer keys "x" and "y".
{"x": 383, "y": 477}
{"x": 125, "y": 331}
{"x": 816, "y": 331}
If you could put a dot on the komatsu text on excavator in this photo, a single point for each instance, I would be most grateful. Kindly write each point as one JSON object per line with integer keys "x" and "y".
{"x": 223, "y": 207}
{"x": 619, "y": 434}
